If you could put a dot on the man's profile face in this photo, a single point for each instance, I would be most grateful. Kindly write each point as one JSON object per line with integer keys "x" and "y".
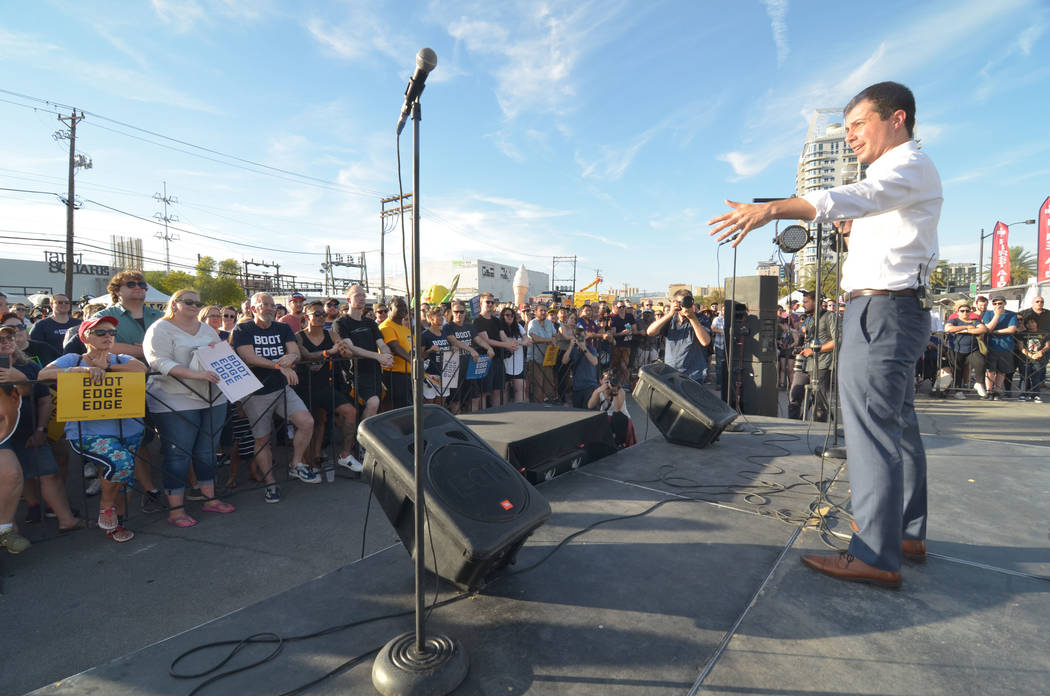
{"x": 807, "y": 304}
{"x": 869, "y": 135}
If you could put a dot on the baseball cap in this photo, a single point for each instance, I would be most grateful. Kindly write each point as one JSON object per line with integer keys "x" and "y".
{"x": 297, "y": 296}
{"x": 89, "y": 324}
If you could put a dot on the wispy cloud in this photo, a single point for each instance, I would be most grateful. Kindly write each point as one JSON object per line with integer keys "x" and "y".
{"x": 185, "y": 15}
{"x": 777, "y": 11}
{"x": 601, "y": 238}
{"x": 914, "y": 44}
{"x": 534, "y": 66}
{"x": 1008, "y": 69}
{"x": 359, "y": 32}
{"x": 522, "y": 209}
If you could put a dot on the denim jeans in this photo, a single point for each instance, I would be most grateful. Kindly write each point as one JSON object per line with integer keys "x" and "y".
{"x": 189, "y": 436}
{"x": 1032, "y": 376}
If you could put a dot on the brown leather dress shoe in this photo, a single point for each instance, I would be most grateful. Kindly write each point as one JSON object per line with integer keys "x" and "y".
{"x": 845, "y": 566}
{"x": 914, "y": 550}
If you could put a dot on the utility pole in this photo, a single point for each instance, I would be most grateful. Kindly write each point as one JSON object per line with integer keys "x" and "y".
{"x": 392, "y": 214}
{"x": 74, "y": 163}
{"x": 165, "y": 218}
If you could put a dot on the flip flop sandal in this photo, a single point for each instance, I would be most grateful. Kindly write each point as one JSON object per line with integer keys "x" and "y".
{"x": 120, "y": 535}
{"x": 182, "y": 521}
{"x": 219, "y": 506}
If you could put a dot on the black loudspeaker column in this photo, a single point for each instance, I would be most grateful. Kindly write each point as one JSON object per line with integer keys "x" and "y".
{"x": 686, "y": 412}
{"x": 755, "y": 354}
{"x": 479, "y": 509}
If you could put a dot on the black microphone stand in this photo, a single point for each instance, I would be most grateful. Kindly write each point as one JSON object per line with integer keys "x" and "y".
{"x": 414, "y": 664}
{"x": 834, "y": 451}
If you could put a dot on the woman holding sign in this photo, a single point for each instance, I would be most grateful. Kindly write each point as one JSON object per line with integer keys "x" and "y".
{"x": 188, "y": 411}
{"x": 110, "y": 444}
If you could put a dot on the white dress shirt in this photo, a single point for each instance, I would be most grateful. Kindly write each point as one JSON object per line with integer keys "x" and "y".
{"x": 895, "y": 210}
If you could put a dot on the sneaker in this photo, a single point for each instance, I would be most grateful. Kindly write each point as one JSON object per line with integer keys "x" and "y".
{"x": 1037, "y": 399}
{"x": 979, "y": 388}
{"x": 107, "y": 519}
{"x": 273, "y": 494}
{"x": 305, "y": 475}
{"x": 13, "y": 541}
{"x": 1022, "y": 397}
{"x": 960, "y": 396}
{"x": 152, "y": 502}
{"x": 93, "y": 487}
{"x": 120, "y": 534}
{"x": 33, "y": 514}
{"x": 351, "y": 462}
{"x": 89, "y": 470}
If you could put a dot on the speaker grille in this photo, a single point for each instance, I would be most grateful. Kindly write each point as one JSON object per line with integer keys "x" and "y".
{"x": 475, "y": 483}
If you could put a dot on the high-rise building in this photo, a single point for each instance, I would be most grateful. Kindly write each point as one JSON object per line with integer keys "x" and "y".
{"x": 826, "y": 161}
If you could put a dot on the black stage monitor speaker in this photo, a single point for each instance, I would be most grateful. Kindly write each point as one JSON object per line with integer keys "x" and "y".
{"x": 686, "y": 412}
{"x": 479, "y": 509}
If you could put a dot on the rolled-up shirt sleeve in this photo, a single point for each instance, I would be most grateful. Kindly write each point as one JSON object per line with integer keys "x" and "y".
{"x": 884, "y": 189}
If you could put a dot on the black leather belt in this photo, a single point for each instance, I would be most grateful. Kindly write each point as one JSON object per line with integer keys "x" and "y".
{"x": 868, "y": 292}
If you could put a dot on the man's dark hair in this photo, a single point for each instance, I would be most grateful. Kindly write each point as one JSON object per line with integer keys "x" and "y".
{"x": 887, "y": 97}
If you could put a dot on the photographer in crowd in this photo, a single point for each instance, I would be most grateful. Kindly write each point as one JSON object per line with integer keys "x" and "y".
{"x": 685, "y": 338}
{"x": 582, "y": 359}
{"x": 610, "y": 398}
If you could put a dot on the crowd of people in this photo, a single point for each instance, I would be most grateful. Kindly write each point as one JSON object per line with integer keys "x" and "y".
{"x": 325, "y": 365}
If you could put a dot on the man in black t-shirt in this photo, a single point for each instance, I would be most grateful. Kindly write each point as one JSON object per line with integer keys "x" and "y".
{"x": 462, "y": 336}
{"x": 269, "y": 348}
{"x": 435, "y": 347}
{"x": 358, "y": 337}
{"x": 52, "y": 330}
{"x": 488, "y": 332}
{"x": 623, "y": 325}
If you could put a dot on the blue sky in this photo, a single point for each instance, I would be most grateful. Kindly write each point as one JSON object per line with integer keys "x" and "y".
{"x": 610, "y": 130}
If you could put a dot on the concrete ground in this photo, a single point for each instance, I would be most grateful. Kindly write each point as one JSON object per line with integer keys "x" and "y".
{"x": 79, "y": 600}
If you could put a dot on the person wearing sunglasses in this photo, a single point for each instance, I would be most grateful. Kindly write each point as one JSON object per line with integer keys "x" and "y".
{"x": 127, "y": 290}
{"x": 110, "y": 443}
{"x": 1000, "y": 325}
{"x": 323, "y": 388}
{"x": 52, "y": 330}
{"x": 188, "y": 410}
{"x": 962, "y": 330}
{"x": 229, "y": 318}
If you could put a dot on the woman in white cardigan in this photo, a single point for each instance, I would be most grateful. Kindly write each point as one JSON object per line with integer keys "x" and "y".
{"x": 187, "y": 409}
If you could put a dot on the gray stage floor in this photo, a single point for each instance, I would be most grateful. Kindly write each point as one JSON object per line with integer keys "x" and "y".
{"x": 705, "y": 593}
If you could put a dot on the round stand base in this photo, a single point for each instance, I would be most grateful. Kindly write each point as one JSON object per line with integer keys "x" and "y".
{"x": 400, "y": 670}
{"x": 834, "y": 453}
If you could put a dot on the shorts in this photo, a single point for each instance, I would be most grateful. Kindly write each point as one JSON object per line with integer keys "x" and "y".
{"x": 322, "y": 395}
{"x": 35, "y": 461}
{"x": 113, "y": 457}
{"x": 260, "y": 409}
{"x": 999, "y": 361}
{"x": 366, "y": 384}
{"x": 495, "y": 379}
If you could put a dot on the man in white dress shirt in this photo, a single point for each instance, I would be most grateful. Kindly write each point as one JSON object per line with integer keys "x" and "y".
{"x": 893, "y": 248}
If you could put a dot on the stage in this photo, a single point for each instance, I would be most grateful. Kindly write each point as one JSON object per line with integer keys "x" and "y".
{"x": 703, "y": 594}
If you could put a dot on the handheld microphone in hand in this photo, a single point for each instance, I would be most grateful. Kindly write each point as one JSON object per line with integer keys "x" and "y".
{"x": 426, "y": 60}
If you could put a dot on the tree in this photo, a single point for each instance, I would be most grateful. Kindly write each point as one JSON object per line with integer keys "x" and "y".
{"x": 716, "y": 297}
{"x": 1022, "y": 267}
{"x": 828, "y": 286}
{"x": 219, "y": 287}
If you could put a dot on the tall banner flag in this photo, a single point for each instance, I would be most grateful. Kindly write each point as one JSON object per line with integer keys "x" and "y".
{"x": 1043, "y": 271}
{"x": 1000, "y": 256}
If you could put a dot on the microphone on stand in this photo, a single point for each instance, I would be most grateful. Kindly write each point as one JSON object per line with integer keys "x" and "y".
{"x": 426, "y": 60}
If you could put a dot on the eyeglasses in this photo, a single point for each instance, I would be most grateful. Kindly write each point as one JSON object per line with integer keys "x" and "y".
{"x": 6, "y": 337}
{"x": 58, "y": 302}
{"x": 192, "y": 303}
{"x": 317, "y": 314}
{"x": 213, "y": 316}
{"x": 331, "y": 304}
{"x": 137, "y": 284}
{"x": 229, "y": 316}
{"x": 102, "y": 332}
{"x": 16, "y": 327}
{"x": 1000, "y": 302}
{"x": 382, "y": 311}
{"x": 963, "y": 309}
{"x": 459, "y": 311}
